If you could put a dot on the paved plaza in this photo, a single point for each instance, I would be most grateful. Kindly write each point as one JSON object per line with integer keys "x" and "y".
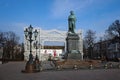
{"x": 12, "y": 71}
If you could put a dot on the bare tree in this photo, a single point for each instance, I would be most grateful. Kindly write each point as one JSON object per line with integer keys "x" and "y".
{"x": 90, "y": 37}
{"x": 114, "y": 30}
{"x": 90, "y": 40}
{"x": 11, "y": 40}
{"x": 1, "y": 38}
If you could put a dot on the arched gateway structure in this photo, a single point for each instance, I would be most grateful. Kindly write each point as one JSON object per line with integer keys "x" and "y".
{"x": 50, "y": 42}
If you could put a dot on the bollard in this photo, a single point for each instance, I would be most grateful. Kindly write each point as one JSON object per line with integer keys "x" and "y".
{"x": 105, "y": 66}
{"x": 58, "y": 67}
{"x": 91, "y": 66}
{"x": 75, "y": 67}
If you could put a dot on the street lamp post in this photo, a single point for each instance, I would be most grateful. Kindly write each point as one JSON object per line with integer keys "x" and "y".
{"x": 36, "y": 33}
{"x": 36, "y": 50}
{"x": 37, "y": 62}
{"x": 30, "y": 66}
{"x": 91, "y": 50}
{"x": 3, "y": 55}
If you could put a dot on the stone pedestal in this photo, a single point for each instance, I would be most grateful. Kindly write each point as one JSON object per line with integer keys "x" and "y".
{"x": 74, "y": 56}
{"x": 72, "y": 43}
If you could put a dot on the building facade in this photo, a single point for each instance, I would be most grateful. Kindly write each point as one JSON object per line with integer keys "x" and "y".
{"x": 107, "y": 49}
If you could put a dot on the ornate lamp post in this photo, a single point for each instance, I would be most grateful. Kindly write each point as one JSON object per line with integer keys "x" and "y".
{"x": 91, "y": 50}
{"x": 28, "y": 33}
{"x": 36, "y": 50}
{"x": 30, "y": 66}
{"x": 37, "y": 62}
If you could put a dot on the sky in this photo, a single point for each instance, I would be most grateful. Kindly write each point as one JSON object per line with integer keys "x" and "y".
{"x": 96, "y": 15}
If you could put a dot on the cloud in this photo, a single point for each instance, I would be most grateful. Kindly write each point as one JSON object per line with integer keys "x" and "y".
{"x": 61, "y": 7}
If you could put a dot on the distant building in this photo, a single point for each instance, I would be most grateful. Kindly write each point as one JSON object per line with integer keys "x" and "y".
{"x": 107, "y": 49}
{"x": 50, "y": 42}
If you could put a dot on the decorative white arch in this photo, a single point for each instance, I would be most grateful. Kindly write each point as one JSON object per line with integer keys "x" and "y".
{"x": 52, "y": 35}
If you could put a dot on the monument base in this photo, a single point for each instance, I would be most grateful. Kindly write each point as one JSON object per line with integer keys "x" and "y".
{"x": 74, "y": 56}
{"x": 72, "y": 44}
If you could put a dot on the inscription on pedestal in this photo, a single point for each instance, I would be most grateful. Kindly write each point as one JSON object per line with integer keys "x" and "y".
{"x": 72, "y": 42}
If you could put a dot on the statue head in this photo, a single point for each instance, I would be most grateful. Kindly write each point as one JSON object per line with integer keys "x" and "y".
{"x": 72, "y": 15}
{"x": 72, "y": 12}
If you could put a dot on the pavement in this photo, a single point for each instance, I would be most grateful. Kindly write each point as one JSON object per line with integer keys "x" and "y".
{"x": 12, "y": 71}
